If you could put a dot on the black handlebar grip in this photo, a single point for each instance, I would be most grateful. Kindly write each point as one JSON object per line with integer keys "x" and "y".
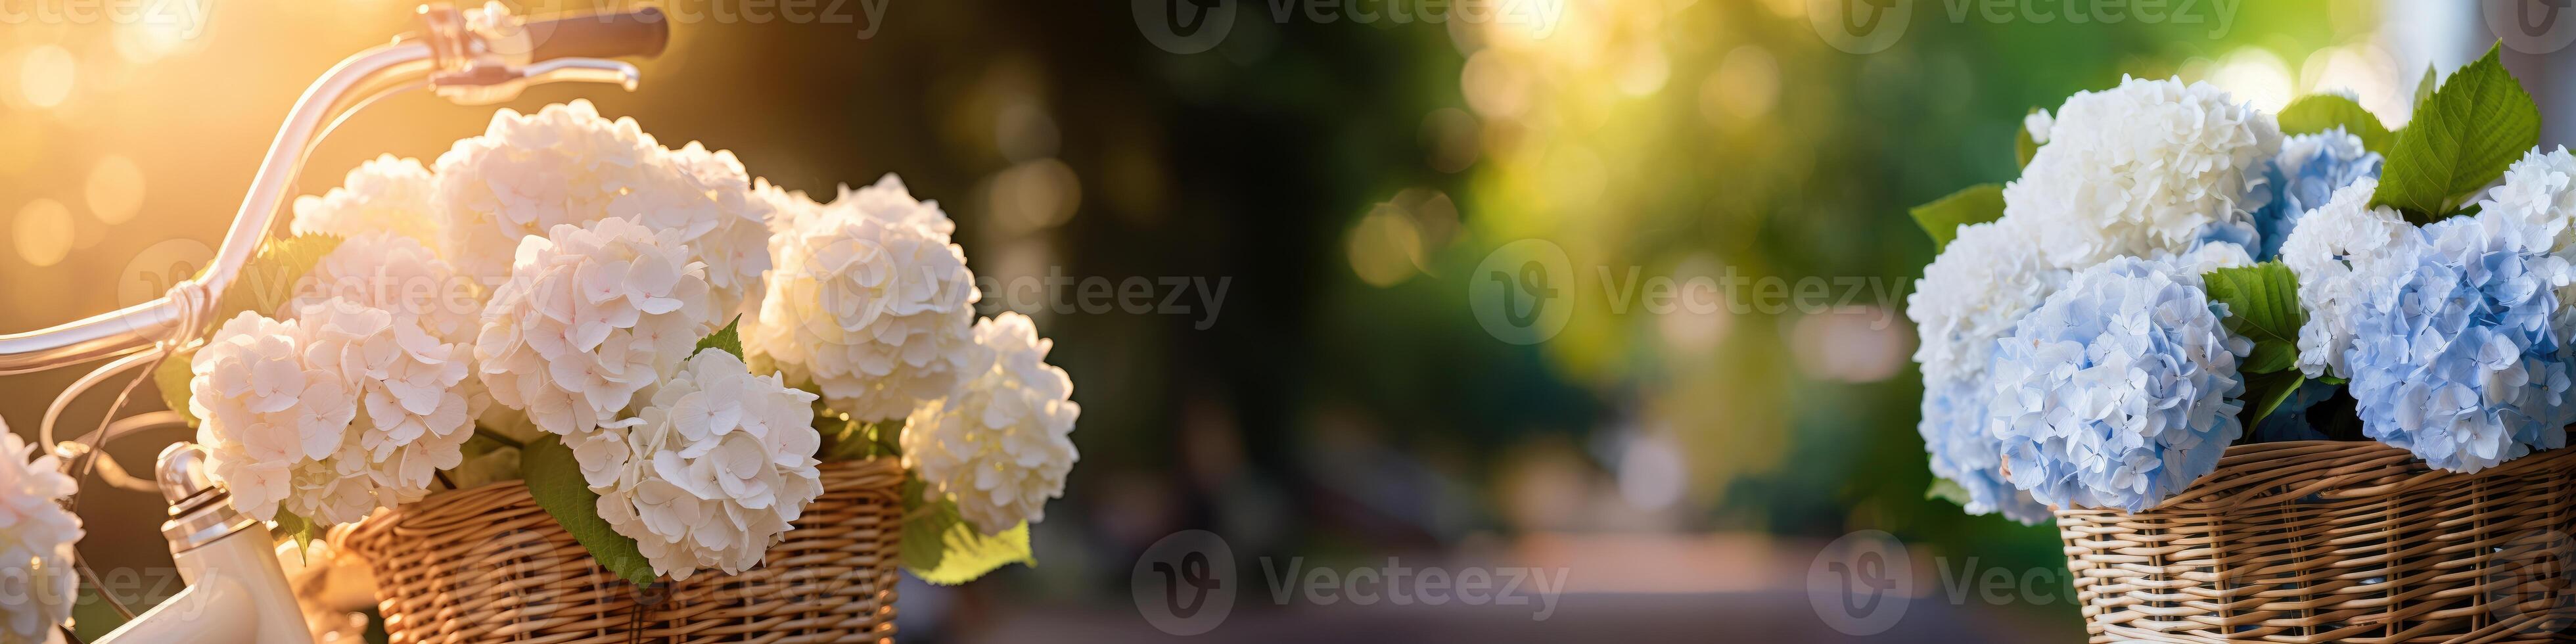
{"x": 640, "y": 33}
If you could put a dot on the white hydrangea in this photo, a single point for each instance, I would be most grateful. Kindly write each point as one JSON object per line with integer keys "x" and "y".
{"x": 263, "y": 408}
{"x": 2327, "y": 251}
{"x": 743, "y": 239}
{"x": 2540, "y": 191}
{"x": 2539, "y": 196}
{"x": 1972, "y": 294}
{"x": 2037, "y": 124}
{"x": 712, "y": 472}
{"x": 329, "y": 416}
{"x": 590, "y": 316}
{"x": 383, "y": 195}
{"x": 36, "y": 541}
{"x": 415, "y": 410}
{"x": 871, "y": 303}
{"x": 400, "y": 275}
{"x": 566, "y": 165}
{"x": 2142, "y": 168}
{"x": 1000, "y": 446}
{"x": 785, "y": 209}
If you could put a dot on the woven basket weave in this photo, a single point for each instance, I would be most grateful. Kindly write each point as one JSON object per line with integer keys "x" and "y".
{"x": 2319, "y": 541}
{"x": 488, "y": 565}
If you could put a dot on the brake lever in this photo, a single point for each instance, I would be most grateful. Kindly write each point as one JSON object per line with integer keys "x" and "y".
{"x": 485, "y": 84}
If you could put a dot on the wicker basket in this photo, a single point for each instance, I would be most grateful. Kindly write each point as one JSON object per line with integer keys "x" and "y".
{"x": 2320, "y": 541}
{"x": 488, "y": 565}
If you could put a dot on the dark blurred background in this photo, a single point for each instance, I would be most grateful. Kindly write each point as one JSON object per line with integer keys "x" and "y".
{"x": 1341, "y": 181}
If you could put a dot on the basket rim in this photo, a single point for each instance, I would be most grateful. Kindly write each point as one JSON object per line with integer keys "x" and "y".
{"x": 2212, "y": 491}
{"x": 355, "y": 535}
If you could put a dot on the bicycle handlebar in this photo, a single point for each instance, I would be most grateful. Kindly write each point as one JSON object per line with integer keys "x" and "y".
{"x": 641, "y": 33}
{"x": 562, "y": 49}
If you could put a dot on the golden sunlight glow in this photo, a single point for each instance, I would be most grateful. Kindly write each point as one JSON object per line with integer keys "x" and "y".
{"x": 2255, "y": 75}
{"x": 114, "y": 190}
{"x": 146, "y": 41}
{"x": 45, "y": 75}
{"x": 1643, "y": 68}
{"x": 42, "y": 232}
{"x": 1743, "y": 88}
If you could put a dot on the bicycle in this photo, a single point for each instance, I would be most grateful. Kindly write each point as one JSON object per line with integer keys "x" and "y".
{"x": 236, "y": 590}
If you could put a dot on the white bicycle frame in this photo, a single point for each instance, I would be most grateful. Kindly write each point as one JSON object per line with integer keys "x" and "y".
{"x": 236, "y": 590}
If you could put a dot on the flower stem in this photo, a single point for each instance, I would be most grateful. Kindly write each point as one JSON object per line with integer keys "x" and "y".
{"x": 496, "y": 437}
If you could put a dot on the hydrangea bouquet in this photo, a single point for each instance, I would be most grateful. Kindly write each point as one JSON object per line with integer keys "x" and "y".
{"x": 663, "y": 347}
{"x": 2176, "y": 272}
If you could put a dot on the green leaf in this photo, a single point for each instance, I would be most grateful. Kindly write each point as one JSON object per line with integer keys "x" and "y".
{"x": 1975, "y": 205}
{"x": 2264, "y": 392}
{"x": 172, "y": 377}
{"x": 554, "y": 478}
{"x": 2024, "y": 147}
{"x": 2424, "y": 88}
{"x": 269, "y": 280}
{"x": 2262, "y": 305}
{"x": 850, "y": 440}
{"x": 289, "y": 524}
{"x": 2462, "y": 138}
{"x": 2322, "y": 112}
{"x": 1947, "y": 490}
{"x": 727, "y": 339}
{"x": 940, "y": 547}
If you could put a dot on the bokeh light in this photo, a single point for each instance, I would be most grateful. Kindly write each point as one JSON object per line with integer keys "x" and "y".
{"x": 45, "y": 75}
{"x": 42, "y": 232}
{"x": 114, "y": 189}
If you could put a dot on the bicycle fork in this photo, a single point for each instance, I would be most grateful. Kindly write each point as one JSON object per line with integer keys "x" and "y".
{"x": 236, "y": 591}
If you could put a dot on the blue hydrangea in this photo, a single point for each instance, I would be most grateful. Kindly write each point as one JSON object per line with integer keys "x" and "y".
{"x": 2119, "y": 390}
{"x": 1953, "y": 427}
{"x": 2453, "y": 355}
{"x": 2307, "y": 172}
